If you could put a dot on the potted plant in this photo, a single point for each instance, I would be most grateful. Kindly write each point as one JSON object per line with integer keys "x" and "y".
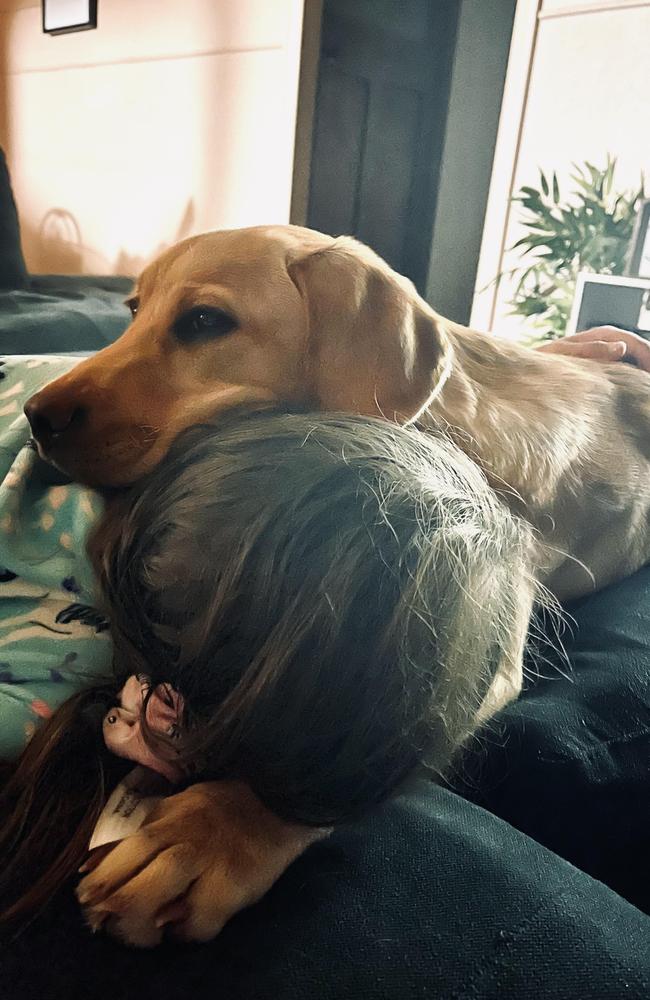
{"x": 589, "y": 230}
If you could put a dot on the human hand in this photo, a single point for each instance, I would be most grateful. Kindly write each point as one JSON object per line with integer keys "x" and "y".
{"x": 603, "y": 343}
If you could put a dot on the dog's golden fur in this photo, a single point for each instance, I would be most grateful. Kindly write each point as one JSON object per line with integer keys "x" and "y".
{"x": 325, "y": 322}
{"x": 203, "y": 855}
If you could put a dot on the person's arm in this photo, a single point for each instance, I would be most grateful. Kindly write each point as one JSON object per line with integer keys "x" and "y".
{"x": 603, "y": 343}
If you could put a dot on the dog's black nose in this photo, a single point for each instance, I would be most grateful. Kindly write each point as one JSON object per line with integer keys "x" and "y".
{"x": 51, "y": 420}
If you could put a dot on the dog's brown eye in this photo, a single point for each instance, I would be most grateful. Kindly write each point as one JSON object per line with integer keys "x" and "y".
{"x": 202, "y": 323}
{"x": 134, "y": 305}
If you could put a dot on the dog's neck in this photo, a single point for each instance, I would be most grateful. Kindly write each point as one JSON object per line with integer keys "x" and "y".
{"x": 503, "y": 403}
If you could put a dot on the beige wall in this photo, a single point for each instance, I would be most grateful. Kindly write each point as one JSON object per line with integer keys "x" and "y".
{"x": 578, "y": 87}
{"x": 173, "y": 117}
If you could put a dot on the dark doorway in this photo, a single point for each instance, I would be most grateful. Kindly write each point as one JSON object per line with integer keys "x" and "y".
{"x": 398, "y": 113}
{"x": 382, "y": 95}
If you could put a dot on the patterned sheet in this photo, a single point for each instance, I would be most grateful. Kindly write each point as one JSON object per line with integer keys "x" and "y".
{"x": 52, "y": 640}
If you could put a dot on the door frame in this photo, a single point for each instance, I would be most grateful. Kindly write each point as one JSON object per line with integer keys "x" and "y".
{"x": 506, "y": 157}
{"x": 479, "y": 77}
{"x": 306, "y": 110}
{"x": 481, "y": 82}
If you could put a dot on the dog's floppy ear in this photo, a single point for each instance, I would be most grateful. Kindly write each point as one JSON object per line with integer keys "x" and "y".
{"x": 375, "y": 347}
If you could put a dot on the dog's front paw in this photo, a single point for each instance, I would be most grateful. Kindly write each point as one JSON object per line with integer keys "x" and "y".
{"x": 202, "y": 855}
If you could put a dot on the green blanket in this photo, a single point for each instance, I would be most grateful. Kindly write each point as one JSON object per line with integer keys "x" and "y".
{"x": 52, "y": 641}
{"x": 58, "y": 314}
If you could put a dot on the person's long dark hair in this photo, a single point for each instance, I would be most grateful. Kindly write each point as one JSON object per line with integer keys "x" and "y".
{"x": 333, "y": 597}
{"x": 51, "y": 800}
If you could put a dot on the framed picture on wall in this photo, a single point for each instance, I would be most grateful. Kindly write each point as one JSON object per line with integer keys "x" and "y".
{"x": 62, "y": 16}
{"x": 639, "y": 257}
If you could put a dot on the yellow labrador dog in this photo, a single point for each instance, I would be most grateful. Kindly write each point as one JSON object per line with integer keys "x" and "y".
{"x": 286, "y": 314}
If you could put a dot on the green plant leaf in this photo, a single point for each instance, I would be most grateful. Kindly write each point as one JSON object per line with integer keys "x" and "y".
{"x": 556, "y": 189}
{"x": 591, "y": 231}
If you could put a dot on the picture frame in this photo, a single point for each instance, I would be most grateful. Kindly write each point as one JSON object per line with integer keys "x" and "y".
{"x": 611, "y": 300}
{"x": 638, "y": 263}
{"x": 63, "y": 16}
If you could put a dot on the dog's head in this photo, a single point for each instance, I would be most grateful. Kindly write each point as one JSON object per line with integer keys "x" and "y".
{"x": 269, "y": 314}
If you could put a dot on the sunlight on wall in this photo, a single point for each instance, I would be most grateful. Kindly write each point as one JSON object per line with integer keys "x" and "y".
{"x": 173, "y": 117}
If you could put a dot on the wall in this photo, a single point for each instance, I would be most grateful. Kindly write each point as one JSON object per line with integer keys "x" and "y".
{"x": 173, "y": 117}
{"x": 307, "y": 89}
{"x": 578, "y": 87}
{"x": 477, "y": 80}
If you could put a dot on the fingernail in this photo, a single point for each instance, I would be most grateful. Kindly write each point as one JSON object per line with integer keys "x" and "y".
{"x": 95, "y": 921}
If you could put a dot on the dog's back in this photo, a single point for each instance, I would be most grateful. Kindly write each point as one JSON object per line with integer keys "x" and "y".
{"x": 566, "y": 442}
